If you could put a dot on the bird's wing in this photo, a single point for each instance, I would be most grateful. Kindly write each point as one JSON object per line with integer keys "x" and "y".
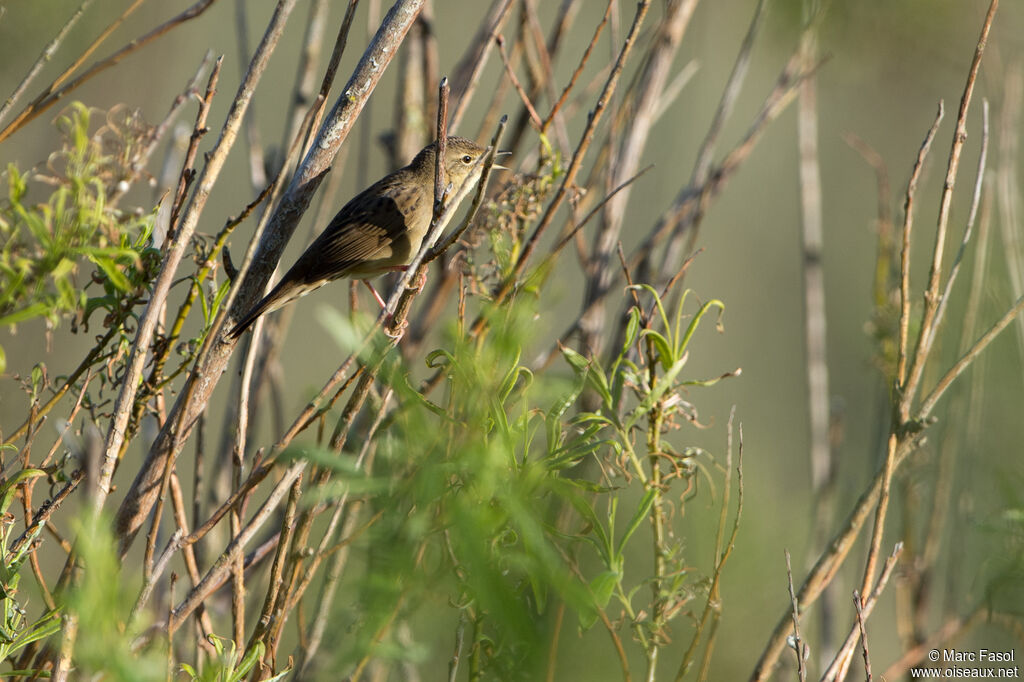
{"x": 361, "y": 231}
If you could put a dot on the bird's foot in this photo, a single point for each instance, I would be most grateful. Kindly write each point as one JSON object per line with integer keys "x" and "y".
{"x": 392, "y": 331}
{"x": 421, "y": 281}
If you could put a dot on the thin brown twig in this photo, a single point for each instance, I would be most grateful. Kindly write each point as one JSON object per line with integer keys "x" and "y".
{"x": 926, "y": 337}
{"x": 510, "y": 72}
{"x": 579, "y": 69}
{"x": 797, "y": 642}
{"x": 972, "y": 214}
{"x": 440, "y": 188}
{"x": 571, "y": 234}
{"x": 237, "y": 463}
{"x": 839, "y": 666}
{"x": 467, "y": 73}
{"x": 46, "y": 55}
{"x": 863, "y": 634}
{"x": 51, "y": 95}
{"x": 965, "y": 361}
{"x": 908, "y": 224}
{"x": 881, "y": 512}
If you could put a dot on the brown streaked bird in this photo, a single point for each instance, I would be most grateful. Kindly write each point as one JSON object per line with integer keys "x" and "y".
{"x": 378, "y": 231}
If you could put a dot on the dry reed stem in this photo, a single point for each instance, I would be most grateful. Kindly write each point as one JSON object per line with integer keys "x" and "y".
{"x": 972, "y": 215}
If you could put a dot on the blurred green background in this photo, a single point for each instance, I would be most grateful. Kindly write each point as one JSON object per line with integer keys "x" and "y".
{"x": 887, "y": 66}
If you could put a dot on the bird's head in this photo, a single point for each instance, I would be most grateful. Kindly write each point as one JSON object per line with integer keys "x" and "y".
{"x": 460, "y": 157}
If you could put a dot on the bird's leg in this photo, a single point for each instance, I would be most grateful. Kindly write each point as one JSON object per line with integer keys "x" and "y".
{"x": 376, "y": 296}
{"x": 397, "y": 334}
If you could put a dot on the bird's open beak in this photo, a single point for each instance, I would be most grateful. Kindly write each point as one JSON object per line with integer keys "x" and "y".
{"x": 496, "y": 155}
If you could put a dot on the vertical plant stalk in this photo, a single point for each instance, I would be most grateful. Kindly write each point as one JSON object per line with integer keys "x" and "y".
{"x": 931, "y": 297}
{"x": 815, "y": 318}
{"x": 813, "y": 271}
{"x": 1008, "y": 182}
{"x": 903, "y": 438}
{"x": 655, "y": 423}
{"x": 908, "y": 224}
{"x": 251, "y": 282}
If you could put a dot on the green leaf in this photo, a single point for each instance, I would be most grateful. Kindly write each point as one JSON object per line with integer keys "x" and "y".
{"x": 695, "y": 322}
{"x": 252, "y": 656}
{"x": 632, "y": 330}
{"x": 599, "y": 382}
{"x": 578, "y": 362}
{"x": 439, "y": 358}
{"x": 664, "y": 383}
{"x": 27, "y": 313}
{"x": 43, "y": 628}
{"x": 663, "y": 348}
{"x": 601, "y": 587}
{"x": 8, "y": 488}
{"x": 639, "y": 516}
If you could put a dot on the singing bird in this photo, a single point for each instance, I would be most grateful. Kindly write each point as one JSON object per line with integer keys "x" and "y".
{"x": 378, "y": 231}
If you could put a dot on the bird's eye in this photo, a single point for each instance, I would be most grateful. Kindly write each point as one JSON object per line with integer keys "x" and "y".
{"x": 467, "y": 159}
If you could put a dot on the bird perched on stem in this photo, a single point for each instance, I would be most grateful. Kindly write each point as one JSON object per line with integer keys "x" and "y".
{"x": 378, "y": 231}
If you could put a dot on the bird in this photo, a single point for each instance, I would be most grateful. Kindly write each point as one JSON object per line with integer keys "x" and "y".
{"x": 377, "y": 231}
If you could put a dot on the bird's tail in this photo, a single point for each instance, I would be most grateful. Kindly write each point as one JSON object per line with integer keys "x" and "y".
{"x": 285, "y": 292}
{"x": 263, "y": 306}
